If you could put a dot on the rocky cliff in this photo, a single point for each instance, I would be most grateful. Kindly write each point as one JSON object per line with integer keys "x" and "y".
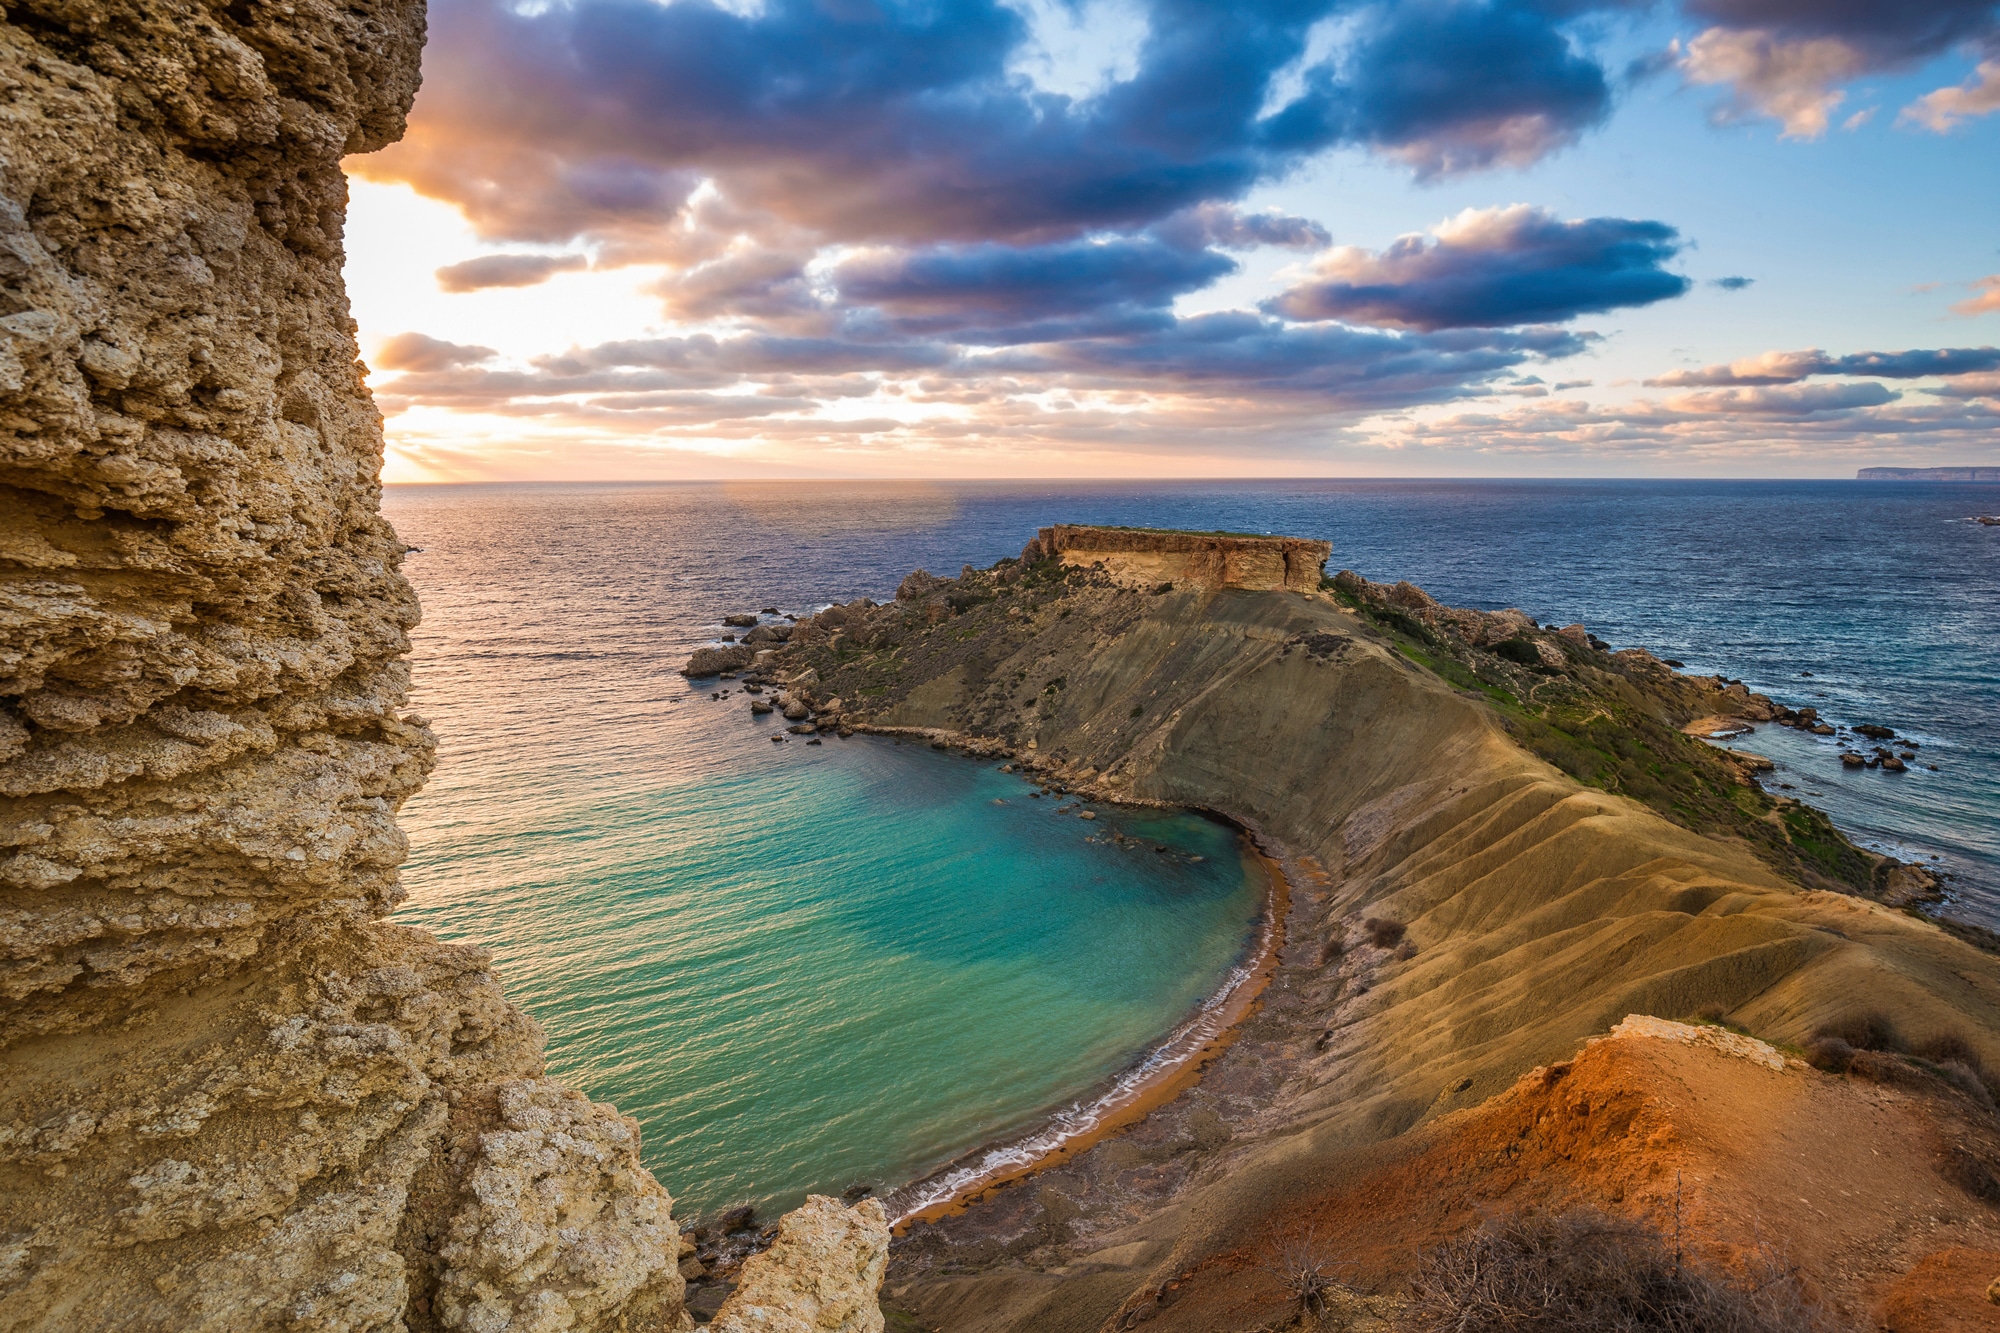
{"x": 233, "y": 1096}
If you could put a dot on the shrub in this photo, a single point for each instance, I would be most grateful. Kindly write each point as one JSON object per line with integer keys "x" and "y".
{"x": 1521, "y": 651}
{"x": 1305, "y": 1268}
{"x": 1331, "y": 950}
{"x": 1863, "y": 1031}
{"x": 1385, "y": 934}
{"x": 1829, "y": 1053}
{"x": 1583, "y": 1272}
{"x": 1948, "y": 1047}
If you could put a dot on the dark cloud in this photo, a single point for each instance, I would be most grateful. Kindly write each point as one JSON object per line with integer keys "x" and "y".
{"x": 506, "y": 271}
{"x": 1731, "y": 284}
{"x": 1792, "y": 367}
{"x": 1015, "y": 292}
{"x": 1888, "y": 31}
{"x": 1450, "y": 86}
{"x": 904, "y": 123}
{"x": 1234, "y": 352}
{"x": 420, "y": 352}
{"x": 1492, "y": 268}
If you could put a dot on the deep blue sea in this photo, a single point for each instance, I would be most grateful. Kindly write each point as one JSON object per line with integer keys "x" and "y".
{"x": 804, "y": 967}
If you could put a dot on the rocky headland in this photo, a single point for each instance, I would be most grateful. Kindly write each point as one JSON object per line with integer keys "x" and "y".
{"x": 233, "y": 1095}
{"x": 1544, "y": 950}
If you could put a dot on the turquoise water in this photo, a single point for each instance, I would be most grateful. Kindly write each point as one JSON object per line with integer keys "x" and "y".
{"x": 799, "y": 967}
{"x": 803, "y": 967}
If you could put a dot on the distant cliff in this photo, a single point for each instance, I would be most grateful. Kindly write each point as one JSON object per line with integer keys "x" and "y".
{"x": 232, "y": 1096}
{"x": 1928, "y": 474}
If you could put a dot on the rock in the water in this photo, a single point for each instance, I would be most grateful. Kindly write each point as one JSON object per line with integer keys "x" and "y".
{"x": 742, "y": 620}
{"x": 1852, "y": 760}
{"x": 1873, "y": 732}
{"x": 796, "y": 711}
{"x": 759, "y": 707}
{"x": 821, "y": 1274}
{"x": 715, "y": 661}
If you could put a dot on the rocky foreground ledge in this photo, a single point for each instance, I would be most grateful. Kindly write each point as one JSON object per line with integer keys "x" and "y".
{"x": 233, "y": 1097}
{"x": 1502, "y": 845}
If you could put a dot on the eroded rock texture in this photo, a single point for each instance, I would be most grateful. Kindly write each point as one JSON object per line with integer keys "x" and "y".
{"x": 819, "y": 1276}
{"x": 233, "y": 1097}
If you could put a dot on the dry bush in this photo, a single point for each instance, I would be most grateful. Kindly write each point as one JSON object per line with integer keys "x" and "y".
{"x": 1305, "y": 1267}
{"x": 1583, "y": 1272}
{"x": 1384, "y": 933}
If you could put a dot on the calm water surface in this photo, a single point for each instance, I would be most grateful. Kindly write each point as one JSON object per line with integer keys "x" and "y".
{"x": 802, "y": 967}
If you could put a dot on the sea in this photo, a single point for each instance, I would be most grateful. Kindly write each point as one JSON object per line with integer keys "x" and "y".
{"x": 808, "y": 968}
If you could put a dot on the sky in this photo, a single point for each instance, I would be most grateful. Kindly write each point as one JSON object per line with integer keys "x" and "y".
{"x": 628, "y": 240}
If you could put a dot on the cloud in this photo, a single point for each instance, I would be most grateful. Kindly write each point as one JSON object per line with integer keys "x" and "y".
{"x": 1784, "y": 401}
{"x": 1787, "y": 59}
{"x": 420, "y": 352}
{"x": 1792, "y": 82}
{"x": 1230, "y": 228}
{"x": 1493, "y": 267}
{"x": 986, "y": 288}
{"x": 474, "y": 275}
{"x": 1943, "y": 109}
{"x": 1985, "y": 298}
{"x": 1731, "y": 284}
{"x": 1792, "y": 367}
{"x": 1770, "y": 430}
{"x": 599, "y": 119}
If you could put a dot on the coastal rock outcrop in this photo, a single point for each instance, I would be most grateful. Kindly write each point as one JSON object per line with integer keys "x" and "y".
{"x": 232, "y": 1095}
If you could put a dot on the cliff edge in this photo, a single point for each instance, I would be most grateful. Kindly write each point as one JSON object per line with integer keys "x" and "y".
{"x": 233, "y": 1097}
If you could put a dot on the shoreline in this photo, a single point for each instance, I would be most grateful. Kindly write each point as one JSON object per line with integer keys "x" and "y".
{"x": 1168, "y": 1068}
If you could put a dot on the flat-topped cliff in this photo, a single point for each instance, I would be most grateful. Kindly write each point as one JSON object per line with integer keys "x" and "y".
{"x": 232, "y": 1095}
{"x": 1145, "y": 557}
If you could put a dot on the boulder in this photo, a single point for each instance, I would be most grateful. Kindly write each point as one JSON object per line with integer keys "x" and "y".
{"x": 1852, "y": 760}
{"x": 715, "y": 661}
{"x": 741, "y": 620}
{"x": 1410, "y": 597}
{"x": 917, "y": 584}
{"x": 797, "y": 711}
{"x": 1874, "y": 732}
{"x": 758, "y": 707}
{"x": 821, "y": 1275}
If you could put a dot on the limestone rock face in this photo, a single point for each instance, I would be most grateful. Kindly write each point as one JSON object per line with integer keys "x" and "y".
{"x": 820, "y": 1276}
{"x": 232, "y": 1096}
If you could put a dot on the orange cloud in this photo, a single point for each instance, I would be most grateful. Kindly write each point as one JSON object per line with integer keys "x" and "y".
{"x": 1985, "y": 299}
